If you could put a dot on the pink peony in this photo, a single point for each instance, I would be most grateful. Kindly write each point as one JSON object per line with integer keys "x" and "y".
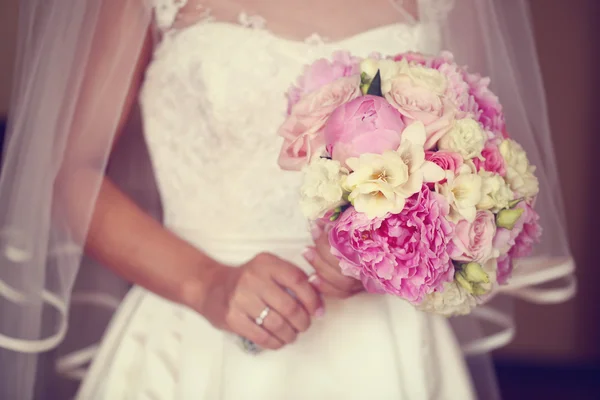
{"x": 493, "y": 160}
{"x": 404, "y": 254}
{"x": 518, "y": 242}
{"x": 504, "y": 269}
{"x": 321, "y": 73}
{"x": 485, "y": 107}
{"x": 302, "y": 131}
{"x": 473, "y": 241}
{"x": 368, "y": 124}
{"x": 530, "y": 234}
{"x": 446, "y": 160}
{"x": 411, "y": 57}
{"x": 416, "y": 102}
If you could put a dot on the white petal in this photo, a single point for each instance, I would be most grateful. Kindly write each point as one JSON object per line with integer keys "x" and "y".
{"x": 353, "y": 163}
{"x": 469, "y": 213}
{"x": 414, "y": 133}
{"x": 432, "y": 172}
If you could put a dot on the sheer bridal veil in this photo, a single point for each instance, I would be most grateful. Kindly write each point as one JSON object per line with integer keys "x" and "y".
{"x": 76, "y": 62}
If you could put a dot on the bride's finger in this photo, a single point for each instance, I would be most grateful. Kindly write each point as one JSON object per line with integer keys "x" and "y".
{"x": 323, "y": 247}
{"x": 327, "y": 289}
{"x": 287, "y": 306}
{"x": 241, "y": 324}
{"x": 332, "y": 273}
{"x": 273, "y": 322}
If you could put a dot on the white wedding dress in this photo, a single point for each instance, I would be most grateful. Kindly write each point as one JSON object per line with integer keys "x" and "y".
{"x": 212, "y": 100}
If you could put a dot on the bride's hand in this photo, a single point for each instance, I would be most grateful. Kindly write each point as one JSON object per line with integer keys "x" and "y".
{"x": 236, "y": 297}
{"x": 329, "y": 278}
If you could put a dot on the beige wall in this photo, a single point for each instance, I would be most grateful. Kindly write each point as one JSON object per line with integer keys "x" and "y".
{"x": 564, "y": 29}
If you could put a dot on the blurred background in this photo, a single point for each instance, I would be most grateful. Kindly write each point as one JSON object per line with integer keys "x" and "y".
{"x": 556, "y": 354}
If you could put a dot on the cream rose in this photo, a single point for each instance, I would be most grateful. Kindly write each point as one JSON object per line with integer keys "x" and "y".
{"x": 495, "y": 192}
{"x": 466, "y": 137}
{"x": 389, "y": 70}
{"x": 519, "y": 173}
{"x": 322, "y": 190}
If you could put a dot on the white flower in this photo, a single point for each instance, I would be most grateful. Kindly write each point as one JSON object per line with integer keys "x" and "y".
{"x": 322, "y": 189}
{"x": 496, "y": 193}
{"x": 466, "y": 138}
{"x": 463, "y": 193}
{"x": 519, "y": 173}
{"x": 452, "y": 300}
{"x": 381, "y": 183}
{"x": 390, "y": 69}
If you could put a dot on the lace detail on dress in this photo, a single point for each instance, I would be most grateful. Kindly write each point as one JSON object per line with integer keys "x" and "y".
{"x": 252, "y": 21}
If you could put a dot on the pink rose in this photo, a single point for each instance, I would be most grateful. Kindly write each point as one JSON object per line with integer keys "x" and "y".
{"x": 446, "y": 160}
{"x": 302, "y": 131}
{"x": 404, "y": 254}
{"x": 474, "y": 241}
{"x": 321, "y": 73}
{"x": 418, "y": 103}
{"x": 504, "y": 269}
{"x": 493, "y": 160}
{"x": 518, "y": 242}
{"x": 368, "y": 124}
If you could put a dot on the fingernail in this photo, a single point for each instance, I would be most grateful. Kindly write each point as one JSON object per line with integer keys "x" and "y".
{"x": 316, "y": 232}
{"x": 320, "y": 313}
{"x": 314, "y": 279}
{"x": 309, "y": 254}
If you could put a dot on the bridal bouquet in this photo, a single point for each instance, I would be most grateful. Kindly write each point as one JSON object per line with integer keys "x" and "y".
{"x": 408, "y": 161}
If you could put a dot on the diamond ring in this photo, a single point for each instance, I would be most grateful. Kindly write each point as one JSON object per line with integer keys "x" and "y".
{"x": 261, "y": 318}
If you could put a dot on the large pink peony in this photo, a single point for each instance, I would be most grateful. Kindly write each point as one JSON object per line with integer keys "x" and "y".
{"x": 404, "y": 254}
{"x": 322, "y": 72}
{"x": 302, "y": 131}
{"x": 368, "y": 124}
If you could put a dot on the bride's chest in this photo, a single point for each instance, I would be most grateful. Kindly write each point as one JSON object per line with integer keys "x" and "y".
{"x": 238, "y": 76}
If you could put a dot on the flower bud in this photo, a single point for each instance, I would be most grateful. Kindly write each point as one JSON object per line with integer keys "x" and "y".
{"x": 474, "y": 273}
{"x": 508, "y": 218}
{"x": 368, "y": 68}
{"x": 480, "y": 290}
{"x": 462, "y": 281}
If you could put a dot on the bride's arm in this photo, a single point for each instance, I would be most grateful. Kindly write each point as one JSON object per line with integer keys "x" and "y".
{"x": 135, "y": 246}
{"x": 121, "y": 235}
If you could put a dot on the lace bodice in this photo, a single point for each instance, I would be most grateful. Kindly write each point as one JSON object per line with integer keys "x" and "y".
{"x": 212, "y": 101}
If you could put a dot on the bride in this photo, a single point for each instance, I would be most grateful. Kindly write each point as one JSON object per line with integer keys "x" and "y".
{"x": 233, "y": 297}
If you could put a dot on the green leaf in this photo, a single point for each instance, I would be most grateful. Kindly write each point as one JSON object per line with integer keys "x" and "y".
{"x": 514, "y": 203}
{"x": 375, "y": 86}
